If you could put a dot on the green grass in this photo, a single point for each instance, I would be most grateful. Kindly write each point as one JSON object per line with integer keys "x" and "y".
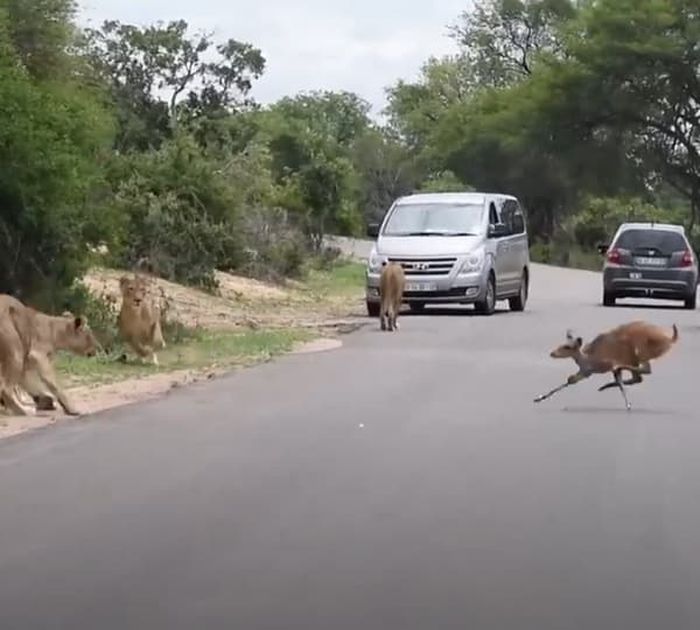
{"x": 198, "y": 351}
{"x": 343, "y": 279}
{"x": 566, "y": 255}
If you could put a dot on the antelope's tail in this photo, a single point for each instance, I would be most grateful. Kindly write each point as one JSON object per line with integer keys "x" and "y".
{"x": 675, "y": 334}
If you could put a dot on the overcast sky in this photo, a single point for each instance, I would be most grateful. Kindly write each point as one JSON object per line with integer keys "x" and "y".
{"x": 311, "y": 44}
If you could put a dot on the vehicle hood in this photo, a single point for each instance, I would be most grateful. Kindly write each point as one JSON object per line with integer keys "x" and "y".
{"x": 427, "y": 245}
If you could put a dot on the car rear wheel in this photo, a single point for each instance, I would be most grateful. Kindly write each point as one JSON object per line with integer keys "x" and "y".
{"x": 518, "y": 303}
{"x": 487, "y": 306}
{"x": 608, "y": 299}
{"x": 373, "y": 309}
{"x": 691, "y": 301}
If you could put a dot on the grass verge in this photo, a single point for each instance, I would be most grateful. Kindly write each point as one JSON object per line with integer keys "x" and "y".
{"x": 325, "y": 290}
{"x": 201, "y": 350}
{"x": 345, "y": 279}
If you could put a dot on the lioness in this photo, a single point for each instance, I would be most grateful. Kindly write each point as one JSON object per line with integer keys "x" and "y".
{"x": 28, "y": 341}
{"x": 391, "y": 286}
{"x": 139, "y": 318}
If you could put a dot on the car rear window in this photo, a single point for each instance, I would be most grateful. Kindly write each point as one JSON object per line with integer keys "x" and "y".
{"x": 663, "y": 242}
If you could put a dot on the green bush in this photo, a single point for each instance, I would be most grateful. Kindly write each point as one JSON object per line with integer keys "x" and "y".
{"x": 444, "y": 181}
{"x": 52, "y": 140}
{"x": 565, "y": 254}
{"x": 181, "y": 214}
{"x": 597, "y": 221}
{"x": 275, "y": 247}
{"x": 101, "y": 312}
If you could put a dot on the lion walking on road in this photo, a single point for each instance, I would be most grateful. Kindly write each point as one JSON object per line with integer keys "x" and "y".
{"x": 391, "y": 288}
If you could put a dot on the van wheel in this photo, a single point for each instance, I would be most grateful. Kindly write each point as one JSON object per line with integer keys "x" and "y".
{"x": 608, "y": 299}
{"x": 518, "y": 302}
{"x": 373, "y": 309}
{"x": 690, "y": 302}
{"x": 487, "y": 306}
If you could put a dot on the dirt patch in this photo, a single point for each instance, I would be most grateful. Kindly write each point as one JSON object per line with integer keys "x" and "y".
{"x": 245, "y": 289}
{"x": 189, "y": 306}
{"x": 241, "y": 302}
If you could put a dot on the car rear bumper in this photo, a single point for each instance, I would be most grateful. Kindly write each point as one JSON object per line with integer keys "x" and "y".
{"x": 653, "y": 283}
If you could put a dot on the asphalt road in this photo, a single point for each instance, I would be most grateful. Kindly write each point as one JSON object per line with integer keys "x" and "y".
{"x": 259, "y": 502}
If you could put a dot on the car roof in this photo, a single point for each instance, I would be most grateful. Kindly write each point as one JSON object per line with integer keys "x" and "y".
{"x": 671, "y": 227}
{"x": 465, "y": 197}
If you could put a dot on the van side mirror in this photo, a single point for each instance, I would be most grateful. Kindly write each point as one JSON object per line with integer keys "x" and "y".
{"x": 497, "y": 230}
{"x": 373, "y": 230}
{"x": 603, "y": 249}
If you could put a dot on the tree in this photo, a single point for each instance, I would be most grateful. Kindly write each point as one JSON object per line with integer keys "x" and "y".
{"x": 53, "y": 141}
{"x": 502, "y": 39}
{"x": 311, "y": 139}
{"x": 158, "y": 75}
{"x": 338, "y": 117}
{"x": 444, "y": 181}
{"x": 637, "y": 73}
{"x": 41, "y": 33}
{"x": 533, "y": 119}
{"x": 385, "y": 169}
{"x": 415, "y": 108}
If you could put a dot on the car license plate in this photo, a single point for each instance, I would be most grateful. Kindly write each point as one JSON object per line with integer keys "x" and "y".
{"x": 650, "y": 262}
{"x": 420, "y": 286}
{"x": 635, "y": 275}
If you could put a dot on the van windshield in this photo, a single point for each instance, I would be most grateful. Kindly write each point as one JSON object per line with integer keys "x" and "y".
{"x": 435, "y": 219}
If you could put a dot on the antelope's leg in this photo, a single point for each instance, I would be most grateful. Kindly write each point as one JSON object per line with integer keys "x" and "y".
{"x": 621, "y": 386}
{"x": 636, "y": 376}
{"x": 572, "y": 380}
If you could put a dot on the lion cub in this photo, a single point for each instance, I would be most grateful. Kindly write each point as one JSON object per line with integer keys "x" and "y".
{"x": 391, "y": 287}
{"x": 139, "y": 318}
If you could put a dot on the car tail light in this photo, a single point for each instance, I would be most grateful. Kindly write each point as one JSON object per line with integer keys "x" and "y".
{"x": 687, "y": 260}
{"x": 614, "y": 256}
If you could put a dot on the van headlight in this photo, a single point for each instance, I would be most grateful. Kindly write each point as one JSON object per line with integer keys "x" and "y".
{"x": 375, "y": 262}
{"x": 474, "y": 262}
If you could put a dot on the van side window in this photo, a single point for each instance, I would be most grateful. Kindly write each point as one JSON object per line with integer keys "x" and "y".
{"x": 493, "y": 214}
{"x": 512, "y": 216}
{"x": 507, "y": 214}
{"x": 518, "y": 221}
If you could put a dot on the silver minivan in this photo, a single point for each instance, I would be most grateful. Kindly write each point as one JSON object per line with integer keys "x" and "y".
{"x": 463, "y": 248}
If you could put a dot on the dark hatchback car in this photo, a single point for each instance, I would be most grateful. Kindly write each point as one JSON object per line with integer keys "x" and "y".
{"x": 650, "y": 260}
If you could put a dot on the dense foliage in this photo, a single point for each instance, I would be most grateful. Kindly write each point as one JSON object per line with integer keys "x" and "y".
{"x": 575, "y": 106}
{"x": 145, "y": 141}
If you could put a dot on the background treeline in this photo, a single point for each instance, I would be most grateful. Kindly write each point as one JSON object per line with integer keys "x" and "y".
{"x": 144, "y": 142}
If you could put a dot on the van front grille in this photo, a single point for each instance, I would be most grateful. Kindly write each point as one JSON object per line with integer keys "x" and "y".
{"x": 426, "y": 266}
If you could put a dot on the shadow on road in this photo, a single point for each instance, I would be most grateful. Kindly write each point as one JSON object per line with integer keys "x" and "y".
{"x": 619, "y": 410}
{"x": 647, "y": 306}
{"x": 454, "y": 311}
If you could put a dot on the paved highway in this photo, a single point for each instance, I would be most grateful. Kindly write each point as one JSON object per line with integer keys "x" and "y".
{"x": 403, "y": 482}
